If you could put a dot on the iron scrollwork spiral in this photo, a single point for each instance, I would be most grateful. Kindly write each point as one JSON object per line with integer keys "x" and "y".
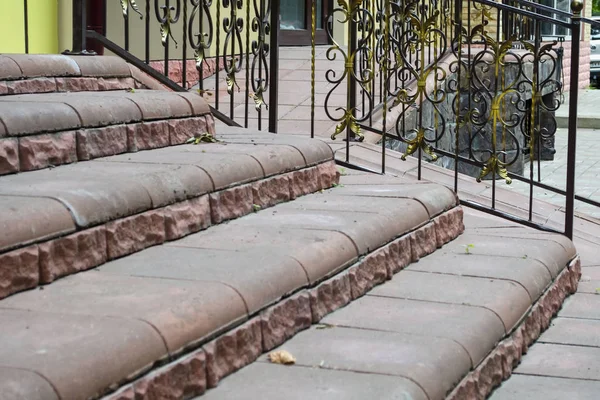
{"x": 167, "y": 15}
{"x": 233, "y": 27}
{"x": 260, "y": 52}
{"x": 202, "y": 40}
{"x": 126, "y": 4}
{"x": 354, "y": 14}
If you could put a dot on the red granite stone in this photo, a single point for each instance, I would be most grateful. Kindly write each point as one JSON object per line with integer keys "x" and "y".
{"x": 182, "y": 379}
{"x": 19, "y": 270}
{"x": 271, "y": 191}
{"x": 330, "y": 295}
{"x": 283, "y": 320}
{"x": 147, "y": 135}
{"x": 101, "y": 142}
{"x": 128, "y": 235}
{"x": 304, "y": 181}
{"x": 400, "y": 255}
{"x": 109, "y": 84}
{"x": 33, "y": 85}
{"x": 371, "y": 271}
{"x": 9, "y": 156}
{"x": 210, "y": 124}
{"x": 230, "y": 203}
{"x": 76, "y": 84}
{"x": 41, "y": 151}
{"x": 77, "y": 252}
{"x": 180, "y": 130}
{"x": 423, "y": 241}
{"x": 187, "y": 217}
{"x": 328, "y": 174}
{"x": 232, "y": 351}
{"x": 3, "y": 88}
{"x": 448, "y": 226}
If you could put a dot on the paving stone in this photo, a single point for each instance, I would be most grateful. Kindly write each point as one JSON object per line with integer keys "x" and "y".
{"x": 51, "y": 219}
{"x": 509, "y": 300}
{"x": 32, "y": 85}
{"x": 76, "y": 84}
{"x": 260, "y": 278}
{"x": 186, "y": 217}
{"x": 311, "y": 248}
{"x": 531, "y": 274}
{"x": 110, "y": 66}
{"x": 197, "y": 103}
{"x": 92, "y": 109}
{"x": 224, "y": 169}
{"x": 153, "y": 104}
{"x": 546, "y": 388}
{"x": 10, "y": 69}
{"x": 54, "y": 345}
{"x": 180, "y": 130}
{"x": 147, "y": 135}
{"x": 435, "y": 198}
{"x": 101, "y": 142}
{"x": 22, "y": 384}
{"x": 182, "y": 312}
{"x": 269, "y": 382}
{"x": 572, "y": 331}
{"x": 582, "y": 306}
{"x": 34, "y": 65}
{"x": 90, "y": 197}
{"x": 561, "y": 361}
{"x": 590, "y": 280}
{"x": 23, "y": 118}
{"x": 475, "y": 328}
{"x": 551, "y": 254}
{"x": 367, "y": 229}
{"x": 128, "y": 235}
{"x": 19, "y": 270}
{"x": 420, "y": 359}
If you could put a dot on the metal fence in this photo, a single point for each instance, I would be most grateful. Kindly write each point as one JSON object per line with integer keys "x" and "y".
{"x": 472, "y": 85}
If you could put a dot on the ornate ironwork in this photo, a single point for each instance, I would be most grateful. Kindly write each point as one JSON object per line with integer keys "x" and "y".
{"x": 126, "y": 4}
{"x": 233, "y": 26}
{"x": 260, "y": 51}
{"x": 167, "y": 15}
{"x": 202, "y": 40}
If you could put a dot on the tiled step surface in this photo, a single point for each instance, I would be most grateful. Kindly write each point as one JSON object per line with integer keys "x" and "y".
{"x": 71, "y": 218}
{"x": 452, "y": 325}
{"x": 274, "y": 272}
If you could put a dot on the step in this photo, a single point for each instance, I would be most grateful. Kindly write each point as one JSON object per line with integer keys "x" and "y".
{"x": 170, "y": 320}
{"x": 451, "y": 326}
{"x": 49, "y": 129}
{"x": 59, "y": 221}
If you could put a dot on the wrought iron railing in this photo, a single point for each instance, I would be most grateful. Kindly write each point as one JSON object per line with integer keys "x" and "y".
{"x": 472, "y": 85}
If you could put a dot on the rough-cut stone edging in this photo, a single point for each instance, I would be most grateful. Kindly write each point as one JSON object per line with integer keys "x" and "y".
{"x": 68, "y": 84}
{"x": 193, "y": 373}
{"x": 42, "y": 263}
{"x": 29, "y": 153}
{"x": 501, "y": 361}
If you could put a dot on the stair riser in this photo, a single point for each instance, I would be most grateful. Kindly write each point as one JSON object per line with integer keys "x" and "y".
{"x": 29, "y": 153}
{"x": 67, "y": 84}
{"x": 42, "y": 263}
{"x": 499, "y": 364}
{"x": 202, "y": 369}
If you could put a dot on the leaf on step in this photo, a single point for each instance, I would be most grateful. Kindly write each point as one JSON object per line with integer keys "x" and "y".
{"x": 282, "y": 357}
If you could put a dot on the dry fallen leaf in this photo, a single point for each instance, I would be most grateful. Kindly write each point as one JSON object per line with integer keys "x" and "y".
{"x": 282, "y": 357}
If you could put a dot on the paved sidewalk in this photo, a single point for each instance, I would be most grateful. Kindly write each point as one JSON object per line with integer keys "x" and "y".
{"x": 587, "y": 110}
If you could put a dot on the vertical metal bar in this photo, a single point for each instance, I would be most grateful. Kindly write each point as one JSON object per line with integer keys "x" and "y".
{"x": 274, "y": 66}
{"x": 260, "y": 64}
{"x": 233, "y": 16}
{"x": 384, "y": 72}
{"x": 184, "y": 47}
{"x": 247, "y": 55}
{"x": 79, "y": 26}
{"x": 217, "y": 61}
{"x": 350, "y": 83}
{"x": 313, "y": 31}
{"x": 576, "y": 7}
{"x": 459, "y": 39}
{"x": 147, "y": 32}
{"x": 26, "y": 21}
{"x": 126, "y": 27}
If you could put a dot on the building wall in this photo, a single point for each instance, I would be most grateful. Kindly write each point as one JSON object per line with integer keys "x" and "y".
{"x": 42, "y": 22}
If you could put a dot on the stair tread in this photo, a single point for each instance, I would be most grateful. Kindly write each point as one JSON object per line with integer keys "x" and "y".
{"x": 86, "y": 194}
{"x": 27, "y": 114}
{"x": 181, "y": 293}
{"x": 430, "y": 325}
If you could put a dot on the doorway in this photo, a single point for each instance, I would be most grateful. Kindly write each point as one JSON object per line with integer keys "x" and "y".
{"x": 296, "y": 22}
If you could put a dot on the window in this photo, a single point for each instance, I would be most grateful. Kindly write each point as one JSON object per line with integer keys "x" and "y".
{"x": 549, "y": 29}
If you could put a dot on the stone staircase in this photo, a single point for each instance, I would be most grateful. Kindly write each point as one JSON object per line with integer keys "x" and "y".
{"x": 133, "y": 266}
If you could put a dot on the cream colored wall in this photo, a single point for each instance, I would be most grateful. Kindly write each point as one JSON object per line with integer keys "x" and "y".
{"x": 42, "y": 23}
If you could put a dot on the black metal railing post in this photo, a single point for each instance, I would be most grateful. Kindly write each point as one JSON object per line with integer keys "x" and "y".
{"x": 576, "y": 7}
{"x": 79, "y": 26}
{"x": 274, "y": 66}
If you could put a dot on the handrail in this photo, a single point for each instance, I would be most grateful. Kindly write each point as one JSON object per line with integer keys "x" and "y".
{"x": 130, "y": 58}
